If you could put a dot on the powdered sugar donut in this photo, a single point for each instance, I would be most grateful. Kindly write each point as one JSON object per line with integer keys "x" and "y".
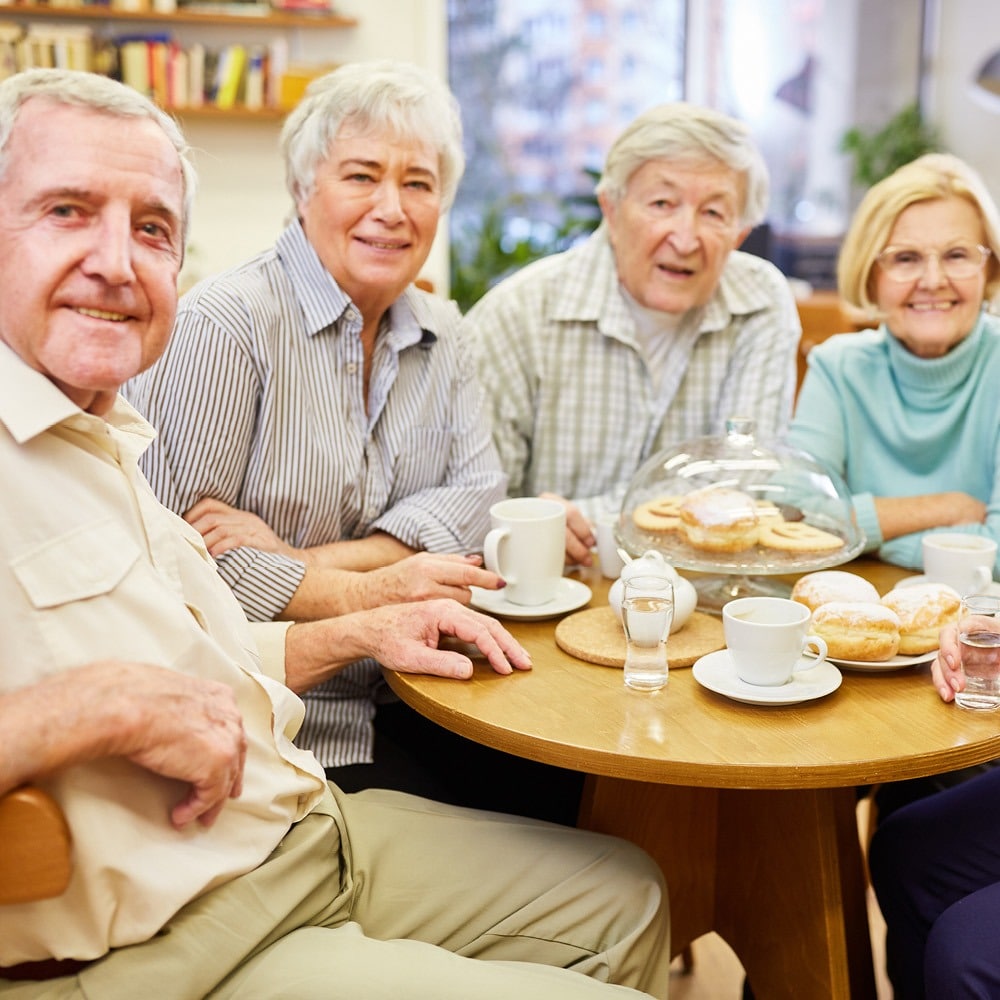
{"x": 857, "y": 630}
{"x": 719, "y": 519}
{"x": 815, "y": 589}
{"x": 923, "y": 610}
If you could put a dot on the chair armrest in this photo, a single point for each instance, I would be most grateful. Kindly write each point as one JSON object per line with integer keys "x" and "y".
{"x": 35, "y": 847}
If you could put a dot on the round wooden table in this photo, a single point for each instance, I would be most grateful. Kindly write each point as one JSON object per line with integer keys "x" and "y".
{"x": 749, "y": 810}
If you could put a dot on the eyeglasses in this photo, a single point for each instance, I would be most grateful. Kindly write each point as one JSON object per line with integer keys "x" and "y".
{"x": 963, "y": 260}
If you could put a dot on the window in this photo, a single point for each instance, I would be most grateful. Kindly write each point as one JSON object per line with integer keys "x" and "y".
{"x": 545, "y": 87}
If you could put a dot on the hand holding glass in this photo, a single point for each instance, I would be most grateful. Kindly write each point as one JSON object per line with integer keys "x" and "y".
{"x": 647, "y": 612}
{"x": 979, "y": 643}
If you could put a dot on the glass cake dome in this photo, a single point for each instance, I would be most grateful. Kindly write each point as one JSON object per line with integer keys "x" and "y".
{"x": 737, "y": 506}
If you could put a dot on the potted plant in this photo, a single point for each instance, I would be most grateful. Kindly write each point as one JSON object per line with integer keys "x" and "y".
{"x": 877, "y": 154}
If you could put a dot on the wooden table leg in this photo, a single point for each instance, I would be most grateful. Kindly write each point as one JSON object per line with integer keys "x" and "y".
{"x": 777, "y": 873}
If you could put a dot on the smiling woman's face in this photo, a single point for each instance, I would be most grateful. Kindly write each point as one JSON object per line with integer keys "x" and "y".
{"x": 373, "y": 214}
{"x": 930, "y": 314}
{"x": 673, "y": 230}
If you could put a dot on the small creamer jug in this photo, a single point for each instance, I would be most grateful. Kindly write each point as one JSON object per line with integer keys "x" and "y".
{"x": 652, "y": 563}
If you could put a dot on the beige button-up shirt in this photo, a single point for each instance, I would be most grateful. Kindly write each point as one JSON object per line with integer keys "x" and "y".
{"x": 93, "y": 567}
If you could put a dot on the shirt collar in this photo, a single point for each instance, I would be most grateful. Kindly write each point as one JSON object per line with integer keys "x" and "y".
{"x": 324, "y": 302}
{"x": 30, "y": 404}
{"x": 596, "y": 296}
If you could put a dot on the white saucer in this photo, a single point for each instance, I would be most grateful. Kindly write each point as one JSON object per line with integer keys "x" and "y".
{"x": 874, "y": 667}
{"x": 570, "y": 595}
{"x": 717, "y": 673}
{"x": 992, "y": 588}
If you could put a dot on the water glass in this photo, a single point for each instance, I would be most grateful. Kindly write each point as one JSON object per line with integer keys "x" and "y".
{"x": 647, "y": 613}
{"x": 979, "y": 638}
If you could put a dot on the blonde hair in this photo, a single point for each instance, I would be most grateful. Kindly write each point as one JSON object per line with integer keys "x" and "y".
{"x": 927, "y": 178}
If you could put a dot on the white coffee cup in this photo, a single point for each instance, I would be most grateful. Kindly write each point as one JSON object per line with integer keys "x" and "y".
{"x": 767, "y": 637}
{"x": 526, "y": 545}
{"x": 963, "y": 561}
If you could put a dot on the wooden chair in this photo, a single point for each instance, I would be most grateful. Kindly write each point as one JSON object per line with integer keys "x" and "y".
{"x": 823, "y": 314}
{"x": 35, "y": 847}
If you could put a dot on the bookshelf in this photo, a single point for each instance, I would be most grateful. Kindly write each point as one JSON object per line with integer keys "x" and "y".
{"x": 248, "y": 72}
{"x": 100, "y": 12}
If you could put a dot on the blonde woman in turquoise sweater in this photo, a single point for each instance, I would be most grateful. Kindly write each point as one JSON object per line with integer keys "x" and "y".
{"x": 909, "y": 414}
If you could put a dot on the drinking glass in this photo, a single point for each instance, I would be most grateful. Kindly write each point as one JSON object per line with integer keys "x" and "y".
{"x": 647, "y": 612}
{"x": 979, "y": 638}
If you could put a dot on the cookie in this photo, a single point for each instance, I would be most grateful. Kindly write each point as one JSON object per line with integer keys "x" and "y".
{"x": 661, "y": 514}
{"x": 797, "y": 536}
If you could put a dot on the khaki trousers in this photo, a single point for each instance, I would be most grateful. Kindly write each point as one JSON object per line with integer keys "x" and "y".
{"x": 385, "y": 896}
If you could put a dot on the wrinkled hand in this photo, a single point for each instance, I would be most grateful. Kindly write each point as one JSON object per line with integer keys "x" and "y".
{"x": 408, "y": 638}
{"x": 425, "y": 576}
{"x": 224, "y": 527}
{"x": 185, "y": 728}
{"x": 946, "y": 672}
{"x": 579, "y": 533}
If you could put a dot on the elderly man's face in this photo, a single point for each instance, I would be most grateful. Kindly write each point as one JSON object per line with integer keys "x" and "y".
{"x": 673, "y": 230}
{"x": 90, "y": 246}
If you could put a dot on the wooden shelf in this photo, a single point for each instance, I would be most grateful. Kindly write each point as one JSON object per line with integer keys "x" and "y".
{"x": 276, "y": 19}
{"x": 237, "y": 112}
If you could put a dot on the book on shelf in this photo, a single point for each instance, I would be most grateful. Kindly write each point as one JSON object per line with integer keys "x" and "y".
{"x": 133, "y": 64}
{"x": 255, "y": 84}
{"x": 233, "y": 8}
{"x": 196, "y": 75}
{"x": 229, "y": 75}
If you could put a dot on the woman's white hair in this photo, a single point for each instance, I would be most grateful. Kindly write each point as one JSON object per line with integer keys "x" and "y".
{"x": 400, "y": 99}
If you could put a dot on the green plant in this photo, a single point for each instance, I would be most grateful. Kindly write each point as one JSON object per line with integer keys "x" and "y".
{"x": 482, "y": 254}
{"x": 877, "y": 154}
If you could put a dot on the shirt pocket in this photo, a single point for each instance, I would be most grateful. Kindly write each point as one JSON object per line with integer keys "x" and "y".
{"x": 71, "y": 581}
{"x": 422, "y": 460}
{"x": 88, "y": 561}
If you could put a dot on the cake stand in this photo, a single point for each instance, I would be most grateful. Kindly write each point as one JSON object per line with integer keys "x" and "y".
{"x": 782, "y": 483}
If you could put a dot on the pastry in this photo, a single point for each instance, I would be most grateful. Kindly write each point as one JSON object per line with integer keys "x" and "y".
{"x": 797, "y": 536}
{"x": 661, "y": 514}
{"x": 815, "y": 589}
{"x": 719, "y": 520}
{"x": 923, "y": 610}
{"x": 857, "y": 630}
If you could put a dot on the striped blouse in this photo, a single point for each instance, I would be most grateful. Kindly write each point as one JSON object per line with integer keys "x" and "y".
{"x": 259, "y": 402}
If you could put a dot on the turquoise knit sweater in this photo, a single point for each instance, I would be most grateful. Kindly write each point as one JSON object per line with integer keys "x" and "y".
{"x": 893, "y": 425}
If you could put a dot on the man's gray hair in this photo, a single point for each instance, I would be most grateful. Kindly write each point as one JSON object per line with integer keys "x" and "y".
{"x": 688, "y": 133}
{"x": 99, "y": 93}
{"x": 400, "y": 99}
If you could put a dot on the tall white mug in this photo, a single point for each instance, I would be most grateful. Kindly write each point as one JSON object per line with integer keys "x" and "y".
{"x": 961, "y": 560}
{"x": 526, "y": 545}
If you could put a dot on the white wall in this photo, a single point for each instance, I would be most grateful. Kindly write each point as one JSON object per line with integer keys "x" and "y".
{"x": 242, "y": 204}
{"x": 968, "y": 33}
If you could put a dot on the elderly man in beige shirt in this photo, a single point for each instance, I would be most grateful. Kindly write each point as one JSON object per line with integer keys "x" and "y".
{"x": 211, "y": 859}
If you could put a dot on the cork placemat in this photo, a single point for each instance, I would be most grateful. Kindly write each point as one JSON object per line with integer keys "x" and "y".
{"x": 594, "y": 635}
